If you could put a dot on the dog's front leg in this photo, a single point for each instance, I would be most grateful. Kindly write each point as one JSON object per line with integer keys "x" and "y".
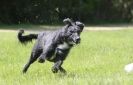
{"x": 62, "y": 70}
{"x": 47, "y": 53}
{"x": 57, "y": 66}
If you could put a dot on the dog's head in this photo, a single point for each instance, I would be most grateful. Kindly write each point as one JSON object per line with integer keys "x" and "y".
{"x": 70, "y": 22}
{"x": 73, "y": 31}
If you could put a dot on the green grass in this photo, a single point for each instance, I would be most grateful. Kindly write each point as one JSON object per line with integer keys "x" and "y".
{"x": 98, "y": 60}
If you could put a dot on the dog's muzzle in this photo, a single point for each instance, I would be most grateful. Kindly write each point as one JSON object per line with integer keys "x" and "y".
{"x": 77, "y": 41}
{"x": 74, "y": 41}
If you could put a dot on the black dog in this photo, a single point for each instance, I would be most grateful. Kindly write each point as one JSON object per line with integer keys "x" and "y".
{"x": 53, "y": 46}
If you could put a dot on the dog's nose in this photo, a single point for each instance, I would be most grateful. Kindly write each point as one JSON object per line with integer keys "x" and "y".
{"x": 78, "y": 40}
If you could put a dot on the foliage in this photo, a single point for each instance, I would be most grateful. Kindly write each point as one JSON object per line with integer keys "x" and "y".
{"x": 53, "y": 11}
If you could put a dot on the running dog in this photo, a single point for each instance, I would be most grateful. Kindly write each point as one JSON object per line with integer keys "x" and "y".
{"x": 53, "y": 46}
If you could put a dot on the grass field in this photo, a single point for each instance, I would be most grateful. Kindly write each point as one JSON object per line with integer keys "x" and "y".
{"x": 98, "y": 60}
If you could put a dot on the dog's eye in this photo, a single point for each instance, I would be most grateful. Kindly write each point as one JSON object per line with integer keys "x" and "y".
{"x": 71, "y": 31}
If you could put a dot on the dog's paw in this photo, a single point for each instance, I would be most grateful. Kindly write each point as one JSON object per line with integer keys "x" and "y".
{"x": 54, "y": 70}
{"x": 40, "y": 60}
{"x": 63, "y": 71}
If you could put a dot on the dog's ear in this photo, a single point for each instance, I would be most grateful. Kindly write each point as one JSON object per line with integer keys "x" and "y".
{"x": 21, "y": 31}
{"x": 80, "y": 25}
{"x": 68, "y": 21}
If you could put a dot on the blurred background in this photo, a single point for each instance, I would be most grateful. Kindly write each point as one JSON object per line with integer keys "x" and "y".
{"x": 54, "y": 11}
{"x": 105, "y": 51}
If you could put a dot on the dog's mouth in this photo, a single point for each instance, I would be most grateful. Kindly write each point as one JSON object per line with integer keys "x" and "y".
{"x": 74, "y": 42}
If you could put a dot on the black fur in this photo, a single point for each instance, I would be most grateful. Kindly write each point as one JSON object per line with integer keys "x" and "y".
{"x": 24, "y": 39}
{"x": 53, "y": 46}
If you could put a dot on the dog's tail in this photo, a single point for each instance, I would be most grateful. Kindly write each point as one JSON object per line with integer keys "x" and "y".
{"x": 26, "y": 38}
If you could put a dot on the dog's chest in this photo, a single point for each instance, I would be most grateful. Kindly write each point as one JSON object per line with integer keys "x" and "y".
{"x": 63, "y": 46}
{"x": 61, "y": 49}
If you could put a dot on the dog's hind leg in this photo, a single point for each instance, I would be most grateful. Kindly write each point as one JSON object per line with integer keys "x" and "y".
{"x": 33, "y": 58}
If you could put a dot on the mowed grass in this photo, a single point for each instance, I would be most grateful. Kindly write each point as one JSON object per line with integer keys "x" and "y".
{"x": 98, "y": 60}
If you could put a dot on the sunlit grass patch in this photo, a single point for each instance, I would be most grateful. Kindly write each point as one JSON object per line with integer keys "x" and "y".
{"x": 99, "y": 59}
